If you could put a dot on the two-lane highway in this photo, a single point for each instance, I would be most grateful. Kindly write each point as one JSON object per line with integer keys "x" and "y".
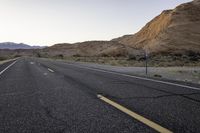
{"x": 39, "y": 95}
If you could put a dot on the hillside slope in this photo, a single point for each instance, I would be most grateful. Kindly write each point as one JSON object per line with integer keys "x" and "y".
{"x": 89, "y": 48}
{"x": 173, "y": 31}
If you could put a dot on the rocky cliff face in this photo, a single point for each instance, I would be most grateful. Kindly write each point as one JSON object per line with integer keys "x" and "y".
{"x": 173, "y": 31}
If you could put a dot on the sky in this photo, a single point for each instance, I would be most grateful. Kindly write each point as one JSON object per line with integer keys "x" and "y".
{"x": 48, "y": 22}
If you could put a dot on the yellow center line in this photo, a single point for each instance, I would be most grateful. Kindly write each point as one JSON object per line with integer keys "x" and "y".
{"x": 136, "y": 116}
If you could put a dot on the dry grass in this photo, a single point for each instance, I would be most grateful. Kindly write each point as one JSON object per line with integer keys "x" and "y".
{"x": 161, "y": 61}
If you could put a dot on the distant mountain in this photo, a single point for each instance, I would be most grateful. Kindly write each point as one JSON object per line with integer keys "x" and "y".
{"x": 12, "y": 46}
{"x": 174, "y": 31}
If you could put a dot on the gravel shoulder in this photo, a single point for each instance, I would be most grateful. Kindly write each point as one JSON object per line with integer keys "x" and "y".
{"x": 186, "y": 74}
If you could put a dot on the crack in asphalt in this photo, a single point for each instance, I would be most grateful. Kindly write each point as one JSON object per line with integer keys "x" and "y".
{"x": 170, "y": 93}
{"x": 49, "y": 114}
{"x": 24, "y": 94}
{"x": 151, "y": 97}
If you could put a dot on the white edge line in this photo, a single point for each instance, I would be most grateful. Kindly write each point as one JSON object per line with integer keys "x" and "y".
{"x": 148, "y": 79}
{"x": 9, "y": 60}
{"x": 50, "y": 70}
{"x": 7, "y": 67}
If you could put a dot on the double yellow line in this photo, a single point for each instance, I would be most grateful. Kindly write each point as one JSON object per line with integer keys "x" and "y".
{"x": 136, "y": 116}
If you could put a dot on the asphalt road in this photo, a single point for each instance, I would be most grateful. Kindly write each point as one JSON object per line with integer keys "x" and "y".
{"x": 44, "y": 96}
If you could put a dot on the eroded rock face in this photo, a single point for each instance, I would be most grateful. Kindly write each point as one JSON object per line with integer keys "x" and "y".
{"x": 173, "y": 31}
{"x": 197, "y": 1}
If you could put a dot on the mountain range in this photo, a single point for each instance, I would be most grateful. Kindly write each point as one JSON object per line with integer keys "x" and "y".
{"x": 13, "y": 46}
{"x": 173, "y": 32}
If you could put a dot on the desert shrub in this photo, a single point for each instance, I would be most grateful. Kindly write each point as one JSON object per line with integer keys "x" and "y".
{"x": 38, "y": 55}
{"x": 158, "y": 76}
{"x": 2, "y": 58}
{"x": 61, "y": 56}
{"x": 192, "y": 53}
{"x": 194, "y": 58}
{"x": 78, "y": 59}
{"x": 46, "y": 55}
{"x": 140, "y": 58}
{"x": 77, "y": 55}
{"x": 177, "y": 54}
{"x": 131, "y": 57}
{"x": 17, "y": 56}
{"x": 105, "y": 55}
{"x": 184, "y": 56}
{"x": 119, "y": 55}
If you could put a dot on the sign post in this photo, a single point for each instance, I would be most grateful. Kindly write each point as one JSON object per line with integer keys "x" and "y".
{"x": 146, "y": 62}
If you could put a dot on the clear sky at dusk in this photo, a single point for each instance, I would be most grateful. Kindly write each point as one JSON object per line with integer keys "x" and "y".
{"x": 46, "y": 22}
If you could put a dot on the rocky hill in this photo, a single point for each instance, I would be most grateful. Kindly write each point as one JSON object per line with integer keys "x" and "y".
{"x": 89, "y": 48}
{"x": 174, "y": 31}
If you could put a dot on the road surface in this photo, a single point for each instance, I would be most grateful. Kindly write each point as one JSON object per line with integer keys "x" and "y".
{"x": 44, "y": 96}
